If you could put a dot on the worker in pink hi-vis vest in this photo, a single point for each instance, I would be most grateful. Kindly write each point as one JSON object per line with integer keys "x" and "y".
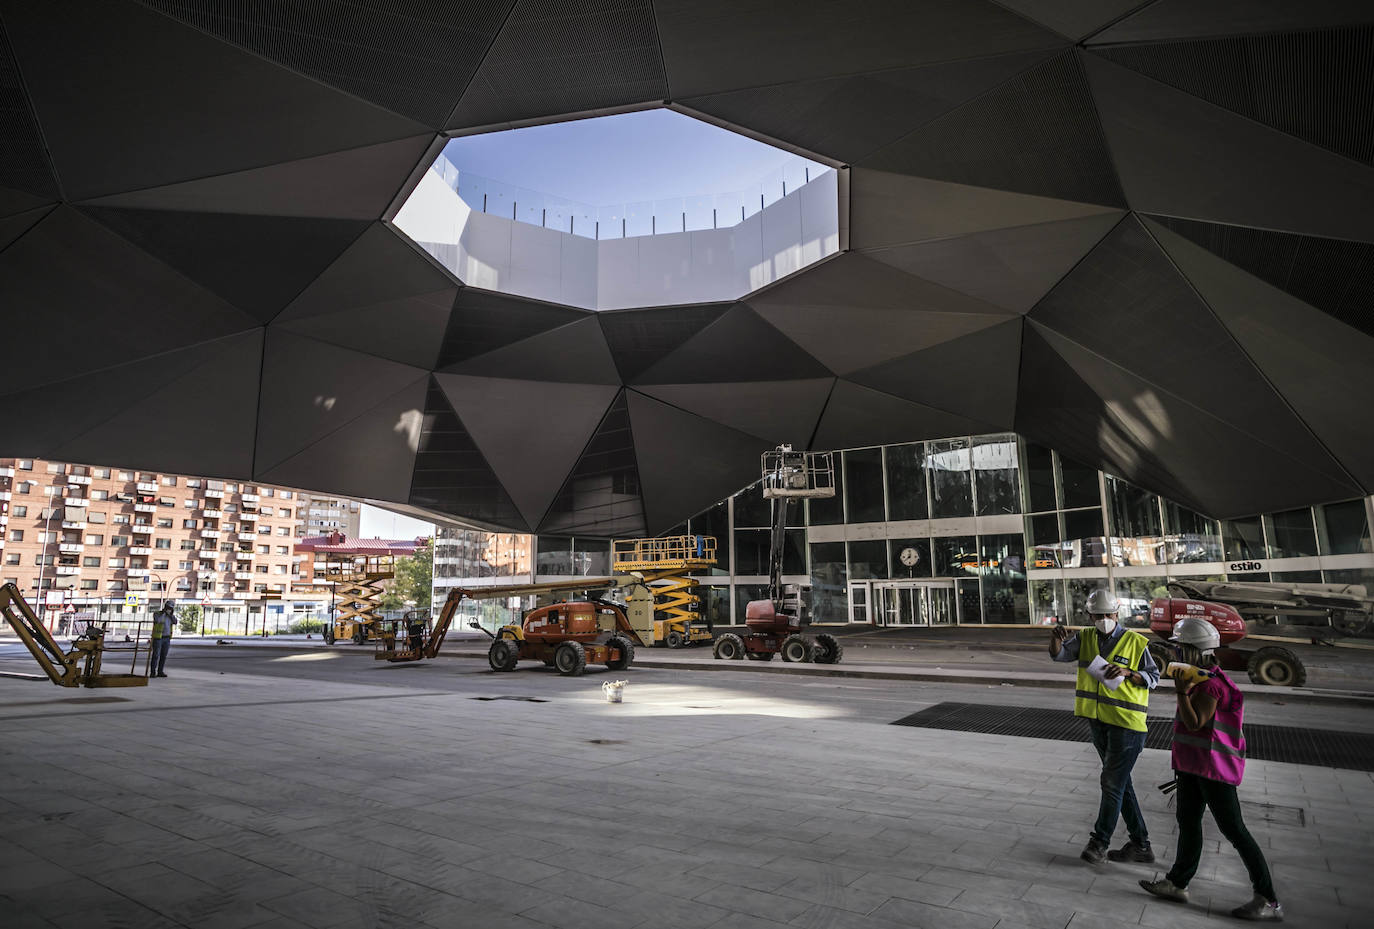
{"x": 1209, "y": 763}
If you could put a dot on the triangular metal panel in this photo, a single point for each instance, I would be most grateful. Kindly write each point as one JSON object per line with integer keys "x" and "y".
{"x": 483, "y": 321}
{"x": 24, "y": 162}
{"x": 14, "y": 227}
{"x": 639, "y": 338}
{"x": 851, "y": 116}
{"x": 1128, "y": 303}
{"x": 551, "y": 57}
{"x": 858, "y": 416}
{"x": 1182, "y": 19}
{"x": 1074, "y": 19}
{"x": 575, "y": 353}
{"x": 895, "y": 209}
{"x": 1181, "y": 156}
{"x": 710, "y": 46}
{"x": 451, "y": 475}
{"x": 739, "y": 346}
{"x": 311, "y": 390}
{"x": 602, "y": 497}
{"x": 116, "y": 78}
{"x": 412, "y": 57}
{"x": 940, "y": 377}
{"x": 93, "y": 300}
{"x": 778, "y": 411}
{"x": 177, "y": 427}
{"x": 358, "y": 183}
{"x": 503, "y": 415}
{"x": 670, "y": 443}
{"x": 17, "y": 201}
{"x": 1009, "y": 268}
{"x": 257, "y": 263}
{"x": 1297, "y": 347}
{"x": 405, "y": 329}
{"x": 373, "y": 457}
{"x": 1036, "y": 134}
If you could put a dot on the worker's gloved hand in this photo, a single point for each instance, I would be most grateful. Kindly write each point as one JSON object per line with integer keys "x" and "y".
{"x": 1058, "y": 634}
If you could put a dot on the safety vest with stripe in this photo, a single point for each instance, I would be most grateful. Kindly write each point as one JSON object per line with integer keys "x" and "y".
{"x": 1217, "y": 750}
{"x": 1125, "y": 706}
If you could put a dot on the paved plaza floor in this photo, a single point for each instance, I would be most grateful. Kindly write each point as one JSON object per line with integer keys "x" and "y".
{"x": 275, "y": 788}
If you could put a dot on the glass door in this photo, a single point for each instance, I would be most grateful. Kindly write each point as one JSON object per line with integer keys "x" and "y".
{"x": 913, "y": 603}
{"x": 940, "y": 606}
{"x": 858, "y": 604}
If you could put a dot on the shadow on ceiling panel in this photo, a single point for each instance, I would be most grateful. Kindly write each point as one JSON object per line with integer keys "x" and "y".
{"x": 638, "y": 339}
{"x": 1181, "y": 156}
{"x": 483, "y": 321}
{"x": 574, "y": 353}
{"x": 1297, "y": 347}
{"x": 1316, "y": 86}
{"x": 710, "y": 46}
{"x": 739, "y": 346}
{"x": 452, "y": 476}
{"x": 1073, "y": 19}
{"x": 849, "y": 117}
{"x": 776, "y": 411}
{"x": 1036, "y": 134}
{"x": 258, "y": 263}
{"x": 858, "y": 416}
{"x": 408, "y": 330}
{"x": 98, "y": 301}
{"x": 24, "y": 164}
{"x": 1183, "y": 19}
{"x": 1009, "y": 268}
{"x": 602, "y": 496}
{"x": 1127, "y": 303}
{"x": 1333, "y": 275}
{"x": 1131, "y": 428}
{"x": 552, "y": 57}
{"x": 687, "y": 463}
{"x": 130, "y": 99}
{"x": 409, "y": 57}
{"x": 531, "y": 432}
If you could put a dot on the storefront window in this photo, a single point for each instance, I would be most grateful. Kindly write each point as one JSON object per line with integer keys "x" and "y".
{"x": 996, "y": 475}
{"x": 1291, "y": 534}
{"x": 1084, "y": 545}
{"x": 715, "y": 605}
{"x": 1039, "y": 463}
{"x": 1080, "y": 484}
{"x": 1136, "y": 532}
{"x": 906, "y": 482}
{"x": 951, "y": 486}
{"x": 909, "y": 557}
{"x": 555, "y": 555}
{"x": 955, "y": 556}
{"x": 591, "y": 557}
{"x": 1045, "y": 548}
{"x": 1242, "y": 539}
{"x": 1190, "y": 537}
{"x": 829, "y": 583}
{"x": 1002, "y": 563}
{"x": 1345, "y": 528}
{"x": 867, "y": 559}
{"x": 752, "y": 547}
{"x": 863, "y": 485}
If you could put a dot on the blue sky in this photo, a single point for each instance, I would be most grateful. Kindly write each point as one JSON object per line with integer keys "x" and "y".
{"x": 646, "y": 155}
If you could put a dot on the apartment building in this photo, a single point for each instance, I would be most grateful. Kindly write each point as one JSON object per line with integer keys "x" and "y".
{"x": 321, "y": 514}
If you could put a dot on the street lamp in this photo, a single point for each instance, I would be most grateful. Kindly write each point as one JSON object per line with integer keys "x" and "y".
{"x": 43, "y": 558}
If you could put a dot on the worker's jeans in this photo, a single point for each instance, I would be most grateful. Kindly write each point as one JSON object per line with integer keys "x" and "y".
{"x": 1196, "y": 794}
{"x": 158, "y": 652}
{"x": 1118, "y": 748}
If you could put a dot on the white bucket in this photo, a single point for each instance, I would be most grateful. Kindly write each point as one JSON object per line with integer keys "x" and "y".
{"x": 614, "y": 691}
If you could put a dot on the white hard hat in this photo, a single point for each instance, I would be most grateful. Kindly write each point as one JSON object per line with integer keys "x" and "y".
{"x": 1101, "y": 601}
{"x": 1196, "y": 632}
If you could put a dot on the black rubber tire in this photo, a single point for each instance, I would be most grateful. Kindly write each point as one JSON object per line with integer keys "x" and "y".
{"x": 796, "y": 648}
{"x": 759, "y": 656}
{"x": 1162, "y": 655}
{"x": 570, "y": 658}
{"x": 627, "y": 652}
{"x": 359, "y": 635}
{"x": 673, "y": 639}
{"x": 1277, "y": 667}
{"x": 828, "y": 649}
{"x": 503, "y": 654}
{"x": 328, "y": 634}
{"x": 728, "y": 647}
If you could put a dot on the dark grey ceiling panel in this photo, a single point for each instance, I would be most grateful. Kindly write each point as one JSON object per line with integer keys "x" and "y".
{"x": 670, "y": 442}
{"x": 602, "y": 497}
{"x": 531, "y": 432}
{"x": 24, "y": 162}
{"x": 553, "y": 57}
{"x": 359, "y": 183}
{"x": 639, "y": 338}
{"x": 14, "y": 201}
{"x": 90, "y": 300}
{"x": 575, "y": 353}
{"x": 483, "y": 321}
{"x": 451, "y": 475}
{"x": 739, "y": 346}
{"x": 1073, "y": 18}
{"x": 858, "y": 416}
{"x": 13, "y": 227}
{"x": 1182, "y": 19}
{"x": 711, "y": 46}
{"x": 257, "y": 263}
{"x": 113, "y": 76}
{"x": 1296, "y": 346}
{"x": 894, "y": 209}
{"x": 408, "y": 329}
{"x": 849, "y": 117}
{"x": 972, "y": 376}
{"x": 779, "y": 411}
{"x": 1010, "y": 268}
{"x": 411, "y": 57}
{"x": 1316, "y": 86}
{"x": 1181, "y": 156}
{"x": 1333, "y": 275}
{"x": 1037, "y": 134}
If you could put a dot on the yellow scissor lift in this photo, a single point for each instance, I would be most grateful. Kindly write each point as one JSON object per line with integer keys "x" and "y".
{"x": 664, "y": 563}
{"x": 358, "y": 594}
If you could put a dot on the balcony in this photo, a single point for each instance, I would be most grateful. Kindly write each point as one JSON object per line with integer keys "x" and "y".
{"x": 140, "y": 550}
{"x": 78, "y": 479}
{"x": 71, "y": 548}
{"x": 73, "y": 524}
{"x": 79, "y": 502}
{"x": 243, "y": 556}
{"x": 142, "y": 530}
{"x": 243, "y": 575}
{"x": 68, "y": 570}
{"x": 209, "y": 554}
{"x": 246, "y": 595}
{"x": 139, "y": 572}
{"x": 6, "y": 472}
{"x": 145, "y": 507}
{"x": 4, "y": 494}
{"x": 206, "y": 572}
{"x": 210, "y": 533}
{"x": 248, "y": 515}
{"x": 146, "y": 487}
{"x": 4, "y": 519}
{"x": 249, "y": 498}
{"x": 209, "y": 512}
{"x": 214, "y": 494}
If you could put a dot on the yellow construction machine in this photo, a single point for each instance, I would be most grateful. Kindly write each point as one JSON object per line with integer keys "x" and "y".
{"x": 662, "y": 566}
{"x": 79, "y": 667}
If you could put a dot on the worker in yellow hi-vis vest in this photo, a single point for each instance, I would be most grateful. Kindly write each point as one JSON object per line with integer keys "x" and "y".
{"x": 1115, "y": 677}
{"x": 164, "y": 621}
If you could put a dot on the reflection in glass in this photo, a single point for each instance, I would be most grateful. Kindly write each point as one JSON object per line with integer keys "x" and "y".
{"x": 867, "y": 559}
{"x": 1046, "y": 601}
{"x": 829, "y": 583}
{"x": 1084, "y": 545}
{"x": 828, "y": 511}
{"x": 1136, "y": 532}
{"x": 752, "y": 509}
{"x": 1291, "y": 534}
{"x": 1190, "y": 537}
{"x": 715, "y": 605}
{"x": 955, "y": 556}
{"x": 1002, "y": 563}
{"x": 715, "y": 522}
{"x": 1242, "y": 539}
{"x": 995, "y": 471}
{"x": 951, "y": 487}
{"x": 746, "y": 594}
{"x": 864, "y": 485}
{"x": 1044, "y": 540}
{"x": 1080, "y": 484}
{"x": 1345, "y": 528}
{"x": 906, "y": 482}
{"x": 555, "y": 555}
{"x": 1133, "y": 595}
{"x": 752, "y": 548}
{"x": 1039, "y": 464}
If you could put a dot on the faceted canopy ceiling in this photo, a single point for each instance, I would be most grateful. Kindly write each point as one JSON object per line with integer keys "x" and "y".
{"x": 1138, "y": 232}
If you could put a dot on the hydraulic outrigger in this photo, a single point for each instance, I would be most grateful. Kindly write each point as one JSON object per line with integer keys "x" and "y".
{"x": 79, "y": 667}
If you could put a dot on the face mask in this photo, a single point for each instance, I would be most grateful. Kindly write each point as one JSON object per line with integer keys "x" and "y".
{"x": 1105, "y": 625}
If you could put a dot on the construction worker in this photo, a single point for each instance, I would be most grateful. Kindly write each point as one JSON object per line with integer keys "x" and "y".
{"x": 1116, "y": 718}
{"x": 163, "y": 622}
{"x": 1209, "y": 763}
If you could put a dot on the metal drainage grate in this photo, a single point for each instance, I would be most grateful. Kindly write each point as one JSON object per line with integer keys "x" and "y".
{"x": 526, "y": 699}
{"x": 1320, "y": 747}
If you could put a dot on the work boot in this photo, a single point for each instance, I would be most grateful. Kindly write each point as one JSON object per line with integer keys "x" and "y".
{"x": 160, "y": 674}
{"x": 1132, "y": 851}
{"x": 1094, "y": 852}
{"x": 1260, "y": 908}
{"x": 1165, "y": 888}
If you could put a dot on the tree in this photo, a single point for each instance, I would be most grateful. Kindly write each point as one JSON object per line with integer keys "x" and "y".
{"x": 188, "y": 617}
{"x": 414, "y": 578}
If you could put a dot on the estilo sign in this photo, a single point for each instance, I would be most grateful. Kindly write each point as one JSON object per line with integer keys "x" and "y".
{"x": 1245, "y": 567}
